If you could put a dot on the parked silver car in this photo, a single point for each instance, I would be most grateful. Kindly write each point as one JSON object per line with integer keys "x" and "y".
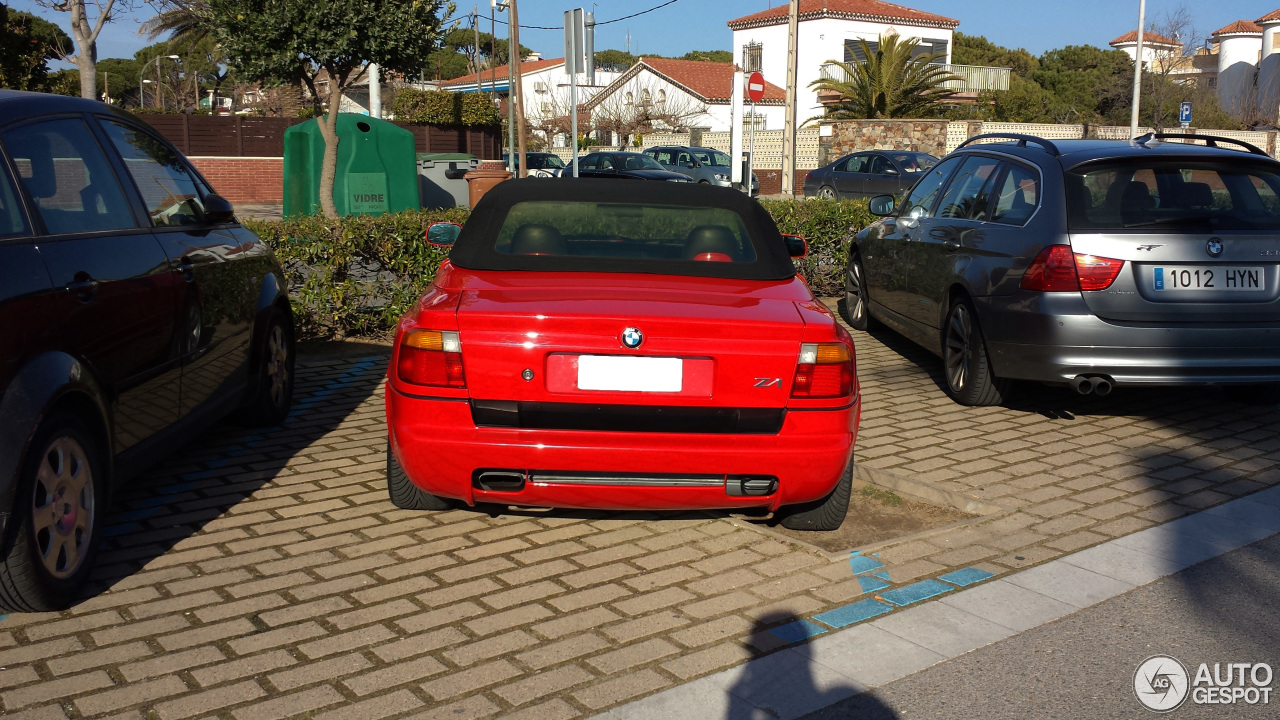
{"x": 706, "y": 166}
{"x": 1087, "y": 263}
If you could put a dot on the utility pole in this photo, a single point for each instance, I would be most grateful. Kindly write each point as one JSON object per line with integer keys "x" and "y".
{"x": 475, "y": 25}
{"x": 518, "y": 91}
{"x": 1137, "y": 72}
{"x": 493, "y": 49}
{"x": 789, "y": 118}
{"x": 511, "y": 84}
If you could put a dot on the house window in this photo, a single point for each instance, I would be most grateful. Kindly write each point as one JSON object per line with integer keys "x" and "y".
{"x": 751, "y": 54}
{"x": 662, "y": 97}
{"x": 756, "y": 119}
{"x": 645, "y": 98}
{"x": 853, "y": 50}
{"x": 631, "y": 100}
{"x": 930, "y": 47}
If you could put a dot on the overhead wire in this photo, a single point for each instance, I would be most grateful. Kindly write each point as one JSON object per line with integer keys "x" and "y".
{"x": 606, "y": 22}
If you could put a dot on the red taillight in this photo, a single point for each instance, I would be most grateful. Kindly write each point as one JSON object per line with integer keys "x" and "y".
{"x": 1057, "y": 269}
{"x": 825, "y": 370}
{"x": 431, "y": 357}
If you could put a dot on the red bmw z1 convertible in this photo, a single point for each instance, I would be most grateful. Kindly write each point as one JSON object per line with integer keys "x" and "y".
{"x": 622, "y": 345}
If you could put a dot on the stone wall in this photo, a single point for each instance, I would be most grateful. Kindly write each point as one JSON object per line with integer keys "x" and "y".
{"x": 849, "y": 136}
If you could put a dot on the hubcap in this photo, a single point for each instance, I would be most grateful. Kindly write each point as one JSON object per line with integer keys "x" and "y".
{"x": 62, "y": 510}
{"x": 959, "y": 327}
{"x": 853, "y": 293}
{"x": 278, "y": 365}
{"x": 827, "y": 193}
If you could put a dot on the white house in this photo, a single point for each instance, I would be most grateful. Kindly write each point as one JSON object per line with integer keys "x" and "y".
{"x": 667, "y": 95}
{"x": 1154, "y": 47}
{"x": 831, "y": 30}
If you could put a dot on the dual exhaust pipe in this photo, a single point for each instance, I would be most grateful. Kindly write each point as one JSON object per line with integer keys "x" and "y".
{"x": 1091, "y": 384}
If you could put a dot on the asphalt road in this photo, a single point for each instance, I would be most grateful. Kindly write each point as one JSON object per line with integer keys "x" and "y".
{"x": 1082, "y": 666}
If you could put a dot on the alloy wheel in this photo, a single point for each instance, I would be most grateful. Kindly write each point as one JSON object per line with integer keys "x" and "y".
{"x": 959, "y": 331}
{"x": 278, "y": 365}
{"x": 853, "y": 302}
{"x": 62, "y": 507}
{"x": 826, "y": 193}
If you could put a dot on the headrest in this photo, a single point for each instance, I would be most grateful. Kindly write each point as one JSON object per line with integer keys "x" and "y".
{"x": 1196, "y": 194}
{"x": 538, "y": 240}
{"x": 710, "y": 239}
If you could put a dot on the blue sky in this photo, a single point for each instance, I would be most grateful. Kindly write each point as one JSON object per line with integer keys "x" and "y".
{"x": 700, "y": 24}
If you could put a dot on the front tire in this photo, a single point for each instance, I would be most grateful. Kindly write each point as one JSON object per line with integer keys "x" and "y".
{"x": 964, "y": 359}
{"x": 826, "y": 192}
{"x": 404, "y": 494}
{"x": 857, "y": 302}
{"x": 58, "y": 515}
{"x": 822, "y": 515}
{"x": 274, "y": 387}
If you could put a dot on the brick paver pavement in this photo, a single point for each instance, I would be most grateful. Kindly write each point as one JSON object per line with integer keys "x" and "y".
{"x": 263, "y": 574}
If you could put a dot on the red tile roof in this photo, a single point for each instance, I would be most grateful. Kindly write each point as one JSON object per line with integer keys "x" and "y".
{"x": 874, "y": 10}
{"x": 1270, "y": 17}
{"x": 1239, "y": 26}
{"x": 711, "y": 81}
{"x": 1148, "y": 38}
{"x": 500, "y": 72}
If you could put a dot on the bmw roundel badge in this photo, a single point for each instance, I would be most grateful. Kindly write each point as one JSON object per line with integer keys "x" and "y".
{"x": 632, "y": 337}
{"x": 1213, "y": 247}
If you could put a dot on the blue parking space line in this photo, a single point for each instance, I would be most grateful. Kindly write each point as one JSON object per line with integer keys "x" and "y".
{"x": 917, "y": 592}
{"x": 871, "y": 584}
{"x": 883, "y": 575}
{"x": 851, "y": 614}
{"x": 966, "y": 576}
{"x": 860, "y": 563}
{"x": 3, "y": 617}
{"x": 798, "y": 631}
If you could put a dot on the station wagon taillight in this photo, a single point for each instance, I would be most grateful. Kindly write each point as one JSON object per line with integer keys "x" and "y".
{"x": 431, "y": 357}
{"x": 1057, "y": 269}
{"x": 824, "y": 370}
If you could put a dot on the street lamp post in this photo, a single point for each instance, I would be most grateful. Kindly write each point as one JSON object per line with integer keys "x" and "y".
{"x": 1137, "y": 72}
{"x": 159, "y": 97}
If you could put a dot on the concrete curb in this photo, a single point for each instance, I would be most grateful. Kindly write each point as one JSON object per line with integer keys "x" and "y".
{"x": 803, "y": 678}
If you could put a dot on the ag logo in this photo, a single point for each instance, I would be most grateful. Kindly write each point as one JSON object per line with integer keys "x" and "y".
{"x": 1161, "y": 683}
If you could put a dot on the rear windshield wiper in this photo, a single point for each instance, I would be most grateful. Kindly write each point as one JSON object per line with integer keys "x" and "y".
{"x": 1172, "y": 220}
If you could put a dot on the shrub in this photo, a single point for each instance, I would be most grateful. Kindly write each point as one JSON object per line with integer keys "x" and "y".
{"x": 357, "y": 275}
{"x": 440, "y": 107}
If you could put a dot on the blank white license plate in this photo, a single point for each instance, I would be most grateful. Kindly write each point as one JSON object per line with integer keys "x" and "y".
{"x": 630, "y": 374}
{"x": 1209, "y": 278}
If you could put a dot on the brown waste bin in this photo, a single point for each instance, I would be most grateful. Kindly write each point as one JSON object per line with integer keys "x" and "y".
{"x": 482, "y": 180}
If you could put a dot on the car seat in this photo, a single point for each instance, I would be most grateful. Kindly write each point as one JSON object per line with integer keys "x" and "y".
{"x": 538, "y": 240}
{"x": 1136, "y": 203}
{"x": 713, "y": 243}
{"x": 1195, "y": 195}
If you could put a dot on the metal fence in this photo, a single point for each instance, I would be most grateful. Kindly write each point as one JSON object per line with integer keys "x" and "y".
{"x": 972, "y": 78}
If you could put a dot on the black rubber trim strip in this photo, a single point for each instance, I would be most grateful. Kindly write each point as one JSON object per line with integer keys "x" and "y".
{"x": 853, "y": 402}
{"x": 426, "y": 397}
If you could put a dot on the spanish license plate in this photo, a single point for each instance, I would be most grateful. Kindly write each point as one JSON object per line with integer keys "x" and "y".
{"x": 1208, "y": 278}
{"x": 630, "y": 374}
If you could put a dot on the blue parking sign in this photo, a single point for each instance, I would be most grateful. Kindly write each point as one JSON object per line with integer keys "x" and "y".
{"x": 1184, "y": 113}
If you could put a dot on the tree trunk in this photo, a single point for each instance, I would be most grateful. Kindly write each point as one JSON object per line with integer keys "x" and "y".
{"x": 329, "y": 168}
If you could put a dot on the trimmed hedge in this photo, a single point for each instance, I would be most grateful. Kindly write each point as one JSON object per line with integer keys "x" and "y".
{"x": 357, "y": 275}
{"x": 440, "y": 107}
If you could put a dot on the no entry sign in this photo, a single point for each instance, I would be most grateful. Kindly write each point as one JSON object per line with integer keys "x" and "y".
{"x": 755, "y": 87}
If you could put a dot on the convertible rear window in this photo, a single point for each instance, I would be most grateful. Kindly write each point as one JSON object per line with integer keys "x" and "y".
{"x": 1167, "y": 194}
{"x": 622, "y": 226}
{"x": 623, "y": 230}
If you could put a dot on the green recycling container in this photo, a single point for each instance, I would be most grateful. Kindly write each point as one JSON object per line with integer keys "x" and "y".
{"x": 377, "y": 167}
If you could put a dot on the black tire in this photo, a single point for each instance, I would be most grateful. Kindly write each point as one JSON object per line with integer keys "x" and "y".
{"x": 1254, "y": 393}
{"x": 826, "y": 192}
{"x": 857, "y": 302}
{"x": 45, "y": 565}
{"x": 704, "y": 182}
{"x": 404, "y": 494}
{"x": 273, "y": 386}
{"x": 822, "y": 515}
{"x": 965, "y": 365}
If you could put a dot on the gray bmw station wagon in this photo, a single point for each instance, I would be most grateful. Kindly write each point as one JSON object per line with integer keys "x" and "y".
{"x": 1087, "y": 263}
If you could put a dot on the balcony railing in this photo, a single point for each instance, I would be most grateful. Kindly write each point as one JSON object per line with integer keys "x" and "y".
{"x": 973, "y": 78}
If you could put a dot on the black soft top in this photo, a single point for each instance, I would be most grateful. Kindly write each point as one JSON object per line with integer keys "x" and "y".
{"x": 475, "y": 248}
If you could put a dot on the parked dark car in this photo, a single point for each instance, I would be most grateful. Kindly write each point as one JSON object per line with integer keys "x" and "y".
{"x": 1087, "y": 263}
{"x": 706, "y": 166}
{"x": 135, "y": 311}
{"x": 634, "y": 166}
{"x": 866, "y": 174}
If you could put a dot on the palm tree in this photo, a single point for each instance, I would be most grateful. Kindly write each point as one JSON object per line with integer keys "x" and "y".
{"x": 182, "y": 20}
{"x": 888, "y": 83}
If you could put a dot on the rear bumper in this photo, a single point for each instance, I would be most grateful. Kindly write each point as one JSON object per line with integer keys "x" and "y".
{"x": 440, "y": 448}
{"x": 1050, "y": 337}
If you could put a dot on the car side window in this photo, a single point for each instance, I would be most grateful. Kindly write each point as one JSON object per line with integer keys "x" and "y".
{"x": 856, "y": 163}
{"x": 684, "y": 159}
{"x": 1017, "y": 196}
{"x": 663, "y": 156}
{"x": 606, "y": 163}
{"x": 167, "y": 189}
{"x": 12, "y": 221}
{"x": 919, "y": 202}
{"x": 879, "y": 165}
{"x": 587, "y": 163}
{"x": 68, "y": 177}
{"x": 968, "y": 192}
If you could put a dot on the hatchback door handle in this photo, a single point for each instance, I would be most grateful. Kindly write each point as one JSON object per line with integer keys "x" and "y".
{"x": 951, "y": 245}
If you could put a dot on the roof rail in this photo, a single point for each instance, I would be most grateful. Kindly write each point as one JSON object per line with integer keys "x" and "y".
{"x": 1022, "y": 141}
{"x": 1210, "y": 140}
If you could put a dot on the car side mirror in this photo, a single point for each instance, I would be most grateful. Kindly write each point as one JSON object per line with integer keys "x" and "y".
{"x": 796, "y": 246}
{"x": 218, "y": 210}
{"x": 443, "y": 234}
{"x": 881, "y": 205}
{"x": 891, "y": 171}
